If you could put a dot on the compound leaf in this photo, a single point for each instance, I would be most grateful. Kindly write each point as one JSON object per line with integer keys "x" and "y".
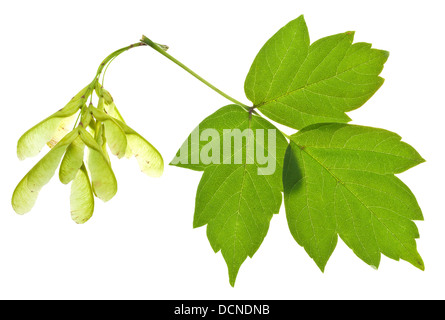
{"x": 239, "y": 192}
{"x": 298, "y": 84}
{"x": 339, "y": 179}
{"x": 81, "y": 199}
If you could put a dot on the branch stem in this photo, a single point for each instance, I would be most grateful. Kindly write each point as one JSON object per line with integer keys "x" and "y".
{"x": 162, "y": 51}
{"x": 114, "y": 55}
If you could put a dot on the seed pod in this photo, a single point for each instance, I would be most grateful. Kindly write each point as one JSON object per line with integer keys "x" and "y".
{"x": 149, "y": 159}
{"x": 86, "y": 117}
{"x": 26, "y": 192}
{"x": 72, "y": 161}
{"x": 81, "y": 199}
{"x": 115, "y": 136}
{"x": 102, "y": 176}
{"x": 107, "y": 96}
{"x": 50, "y": 130}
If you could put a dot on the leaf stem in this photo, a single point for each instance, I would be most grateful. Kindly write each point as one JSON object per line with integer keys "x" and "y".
{"x": 162, "y": 51}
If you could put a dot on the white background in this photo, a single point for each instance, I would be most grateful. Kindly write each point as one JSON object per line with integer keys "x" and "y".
{"x": 141, "y": 244}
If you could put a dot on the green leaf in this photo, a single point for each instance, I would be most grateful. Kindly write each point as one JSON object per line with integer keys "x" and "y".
{"x": 82, "y": 199}
{"x": 50, "y": 130}
{"x": 236, "y": 200}
{"x": 72, "y": 161}
{"x": 339, "y": 179}
{"x": 298, "y": 84}
{"x": 26, "y": 192}
{"x": 189, "y": 155}
{"x": 102, "y": 177}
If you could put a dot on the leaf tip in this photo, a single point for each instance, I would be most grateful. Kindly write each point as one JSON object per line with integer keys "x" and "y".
{"x": 350, "y": 34}
{"x": 196, "y": 224}
{"x": 419, "y": 263}
{"x": 321, "y": 266}
{"x": 173, "y": 164}
{"x": 232, "y": 278}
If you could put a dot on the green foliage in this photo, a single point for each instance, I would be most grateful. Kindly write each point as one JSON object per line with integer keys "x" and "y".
{"x": 298, "y": 84}
{"x": 337, "y": 179}
{"x": 233, "y": 200}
